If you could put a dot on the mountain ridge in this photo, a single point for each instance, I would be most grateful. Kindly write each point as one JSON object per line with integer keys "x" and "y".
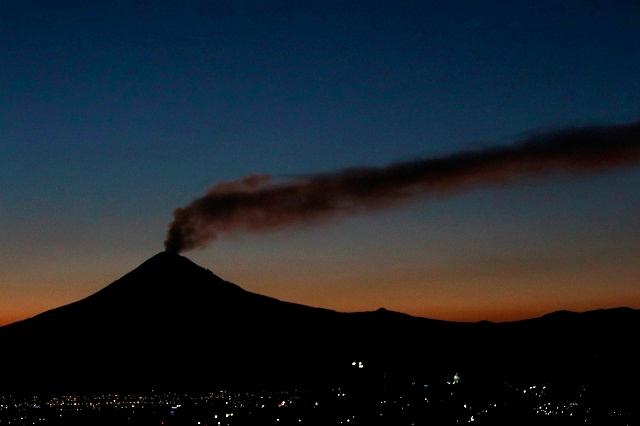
{"x": 172, "y": 323}
{"x": 162, "y": 258}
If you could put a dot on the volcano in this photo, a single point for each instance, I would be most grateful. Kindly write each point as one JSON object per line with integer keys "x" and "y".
{"x": 171, "y": 323}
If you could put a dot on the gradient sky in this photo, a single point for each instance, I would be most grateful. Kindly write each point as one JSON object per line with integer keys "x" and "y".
{"x": 112, "y": 114}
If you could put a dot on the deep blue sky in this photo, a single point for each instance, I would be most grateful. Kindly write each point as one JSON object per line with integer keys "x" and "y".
{"x": 112, "y": 114}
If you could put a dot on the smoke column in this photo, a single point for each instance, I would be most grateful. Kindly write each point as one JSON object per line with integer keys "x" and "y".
{"x": 258, "y": 202}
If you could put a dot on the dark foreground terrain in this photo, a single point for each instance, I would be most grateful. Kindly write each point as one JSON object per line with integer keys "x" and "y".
{"x": 452, "y": 403}
{"x": 172, "y": 326}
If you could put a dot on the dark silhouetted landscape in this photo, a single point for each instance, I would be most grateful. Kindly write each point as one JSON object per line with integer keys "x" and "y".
{"x": 170, "y": 325}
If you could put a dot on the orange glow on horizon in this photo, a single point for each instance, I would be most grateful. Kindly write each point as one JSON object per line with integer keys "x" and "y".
{"x": 494, "y": 291}
{"x": 503, "y": 314}
{"x": 8, "y": 319}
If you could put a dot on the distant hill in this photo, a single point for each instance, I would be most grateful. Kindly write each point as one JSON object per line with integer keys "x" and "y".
{"x": 170, "y": 323}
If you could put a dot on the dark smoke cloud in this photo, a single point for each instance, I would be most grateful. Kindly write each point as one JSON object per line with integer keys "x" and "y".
{"x": 257, "y": 202}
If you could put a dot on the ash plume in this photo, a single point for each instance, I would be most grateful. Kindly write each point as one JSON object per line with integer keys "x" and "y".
{"x": 257, "y": 202}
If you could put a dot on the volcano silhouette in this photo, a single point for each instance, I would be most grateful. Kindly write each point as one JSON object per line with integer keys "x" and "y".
{"x": 172, "y": 323}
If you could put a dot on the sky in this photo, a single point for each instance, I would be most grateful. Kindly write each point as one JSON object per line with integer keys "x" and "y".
{"x": 113, "y": 114}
